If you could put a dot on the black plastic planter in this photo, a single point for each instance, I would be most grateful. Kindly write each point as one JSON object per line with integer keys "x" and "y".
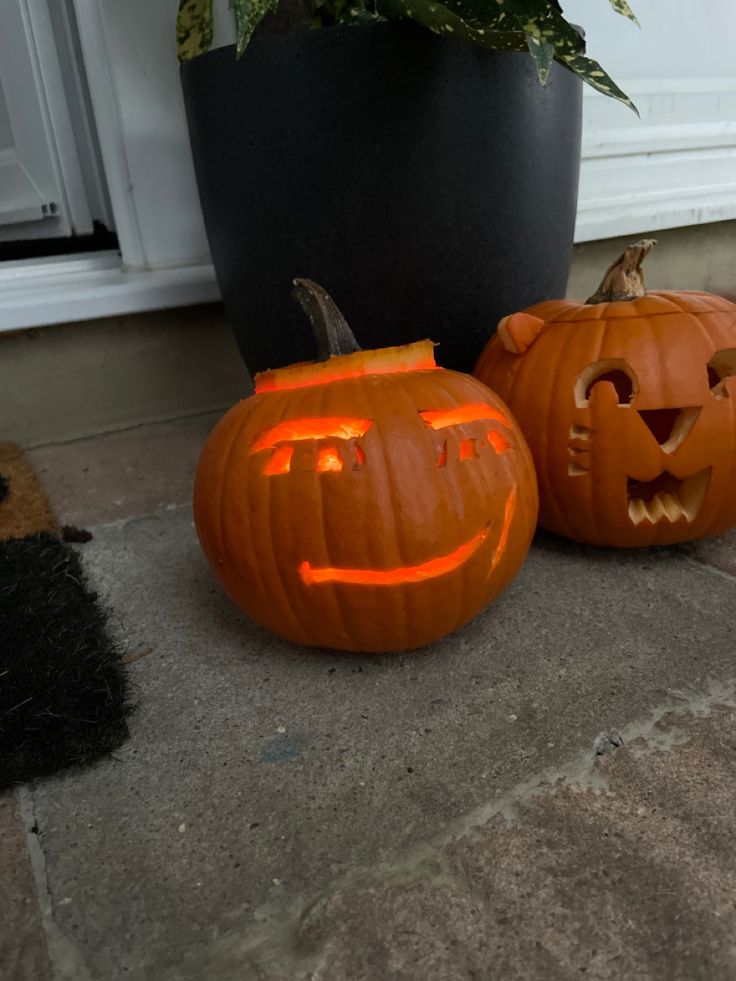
{"x": 429, "y": 186}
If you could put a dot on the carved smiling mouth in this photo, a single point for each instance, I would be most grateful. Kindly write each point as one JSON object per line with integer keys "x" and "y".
{"x": 407, "y": 573}
{"x": 430, "y": 569}
{"x": 667, "y": 498}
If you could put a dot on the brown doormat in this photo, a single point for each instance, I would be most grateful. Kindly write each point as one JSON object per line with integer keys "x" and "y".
{"x": 63, "y": 690}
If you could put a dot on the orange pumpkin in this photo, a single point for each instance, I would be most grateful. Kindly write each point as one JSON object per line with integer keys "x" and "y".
{"x": 628, "y": 402}
{"x": 369, "y": 501}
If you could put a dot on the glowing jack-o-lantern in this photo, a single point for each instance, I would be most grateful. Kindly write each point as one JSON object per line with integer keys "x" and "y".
{"x": 368, "y": 501}
{"x": 628, "y": 402}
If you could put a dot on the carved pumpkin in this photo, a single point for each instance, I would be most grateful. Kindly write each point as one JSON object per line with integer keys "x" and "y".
{"x": 369, "y": 501}
{"x": 628, "y": 402}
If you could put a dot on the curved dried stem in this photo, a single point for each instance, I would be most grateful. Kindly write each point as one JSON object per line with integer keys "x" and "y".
{"x": 624, "y": 278}
{"x": 330, "y": 328}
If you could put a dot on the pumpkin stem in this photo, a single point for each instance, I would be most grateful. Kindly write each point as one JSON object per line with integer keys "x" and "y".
{"x": 624, "y": 278}
{"x": 331, "y": 331}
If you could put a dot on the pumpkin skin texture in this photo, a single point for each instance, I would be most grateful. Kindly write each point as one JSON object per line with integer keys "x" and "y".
{"x": 629, "y": 409}
{"x": 370, "y": 502}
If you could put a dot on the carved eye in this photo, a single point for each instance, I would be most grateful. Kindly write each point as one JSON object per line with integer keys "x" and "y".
{"x": 720, "y": 367}
{"x": 279, "y": 440}
{"x": 616, "y": 372}
{"x": 439, "y": 419}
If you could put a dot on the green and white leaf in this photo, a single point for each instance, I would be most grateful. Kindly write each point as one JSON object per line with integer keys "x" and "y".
{"x": 193, "y": 28}
{"x": 350, "y": 12}
{"x": 439, "y": 18}
{"x": 543, "y": 54}
{"x": 622, "y": 7}
{"x": 538, "y": 19}
{"x": 511, "y": 25}
{"x": 592, "y": 73}
{"x": 248, "y": 15}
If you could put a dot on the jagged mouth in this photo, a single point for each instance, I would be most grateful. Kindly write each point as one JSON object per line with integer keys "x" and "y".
{"x": 667, "y": 498}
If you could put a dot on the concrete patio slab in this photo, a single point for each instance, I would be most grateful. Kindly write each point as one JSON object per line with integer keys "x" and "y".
{"x": 23, "y": 955}
{"x": 137, "y": 471}
{"x": 718, "y": 552}
{"x": 624, "y": 870}
{"x": 261, "y": 782}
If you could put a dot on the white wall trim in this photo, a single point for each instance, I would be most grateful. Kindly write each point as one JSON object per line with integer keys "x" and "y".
{"x": 674, "y": 167}
{"x": 37, "y": 292}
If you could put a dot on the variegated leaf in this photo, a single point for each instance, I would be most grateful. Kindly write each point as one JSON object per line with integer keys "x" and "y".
{"x": 248, "y": 15}
{"x": 543, "y": 55}
{"x": 441, "y": 20}
{"x": 538, "y": 19}
{"x": 622, "y": 7}
{"x": 193, "y": 28}
{"x": 351, "y": 12}
{"x": 592, "y": 73}
{"x": 484, "y": 13}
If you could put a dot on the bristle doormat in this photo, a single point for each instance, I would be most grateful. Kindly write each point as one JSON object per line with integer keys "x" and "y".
{"x": 63, "y": 691}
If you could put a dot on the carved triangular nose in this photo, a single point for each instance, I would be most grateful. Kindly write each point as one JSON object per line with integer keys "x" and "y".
{"x": 670, "y": 426}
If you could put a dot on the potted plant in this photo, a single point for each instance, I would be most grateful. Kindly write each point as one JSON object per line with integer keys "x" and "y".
{"x": 430, "y": 184}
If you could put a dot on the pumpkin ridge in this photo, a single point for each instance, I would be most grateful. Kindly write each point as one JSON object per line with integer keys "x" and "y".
{"x": 379, "y": 494}
{"x": 405, "y": 599}
{"x": 238, "y": 431}
{"x": 453, "y": 475}
{"x": 483, "y": 485}
{"x": 605, "y": 315}
{"x": 273, "y": 492}
{"x": 449, "y": 380}
{"x": 599, "y": 355}
{"x": 675, "y": 298}
{"x": 565, "y": 521}
{"x": 486, "y": 481}
{"x": 337, "y": 599}
{"x": 704, "y": 331}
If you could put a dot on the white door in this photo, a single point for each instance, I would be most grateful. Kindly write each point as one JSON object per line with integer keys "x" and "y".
{"x": 51, "y": 183}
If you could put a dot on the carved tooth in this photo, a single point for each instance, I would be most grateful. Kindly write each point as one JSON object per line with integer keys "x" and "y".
{"x": 579, "y": 432}
{"x": 638, "y": 510}
{"x": 656, "y": 508}
{"x": 672, "y": 506}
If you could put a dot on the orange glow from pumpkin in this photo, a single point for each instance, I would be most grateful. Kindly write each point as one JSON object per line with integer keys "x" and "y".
{"x": 360, "y": 455}
{"x": 403, "y": 574}
{"x": 327, "y": 427}
{"x": 443, "y": 455}
{"x": 279, "y": 461}
{"x": 498, "y": 441}
{"x": 442, "y": 418}
{"x": 328, "y": 460}
{"x": 417, "y": 356}
{"x": 468, "y": 450}
{"x": 508, "y": 517}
